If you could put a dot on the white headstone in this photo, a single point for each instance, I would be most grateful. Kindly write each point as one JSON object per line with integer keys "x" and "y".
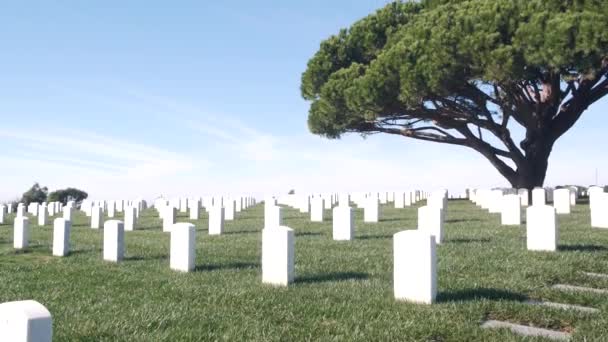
{"x": 195, "y": 208}
{"x": 524, "y": 196}
{"x": 21, "y": 232}
{"x": 495, "y": 201}
{"x": 344, "y": 200}
{"x": 541, "y": 228}
{"x": 383, "y": 197}
{"x": 68, "y": 213}
{"x": 400, "y": 200}
{"x": 20, "y": 210}
{"x": 113, "y": 240}
{"x": 182, "y": 247}
{"x": 278, "y": 256}
{"x": 111, "y": 209}
{"x": 229, "y": 210}
{"x": 343, "y": 223}
{"x": 2, "y": 213}
{"x": 238, "y": 204}
{"x": 599, "y": 210}
{"x": 216, "y": 220}
{"x": 87, "y": 206}
{"x": 415, "y": 266}
{"x": 273, "y": 217}
{"x": 317, "y": 210}
{"x": 573, "y": 196}
{"x": 409, "y": 198}
{"x": 120, "y": 205}
{"x": 539, "y": 196}
{"x": 130, "y": 218}
{"x": 438, "y": 199}
{"x": 25, "y": 321}
{"x": 511, "y": 210}
{"x": 304, "y": 204}
{"x": 328, "y": 201}
{"x": 561, "y": 201}
{"x": 593, "y": 191}
{"x": 96, "y": 217}
{"x": 430, "y": 220}
{"x": 34, "y": 207}
{"x": 42, "y": 215}
{"x": 61, "y": 236}
{"x": 371, "y": 211}
{"x": 169, "y": 214}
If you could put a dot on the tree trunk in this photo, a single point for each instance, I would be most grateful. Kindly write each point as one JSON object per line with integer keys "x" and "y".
{"x": 532, "y": 171}
{"x": 530, "y": 176}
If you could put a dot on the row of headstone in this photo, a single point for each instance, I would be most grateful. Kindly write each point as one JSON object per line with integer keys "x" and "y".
{"x": 509, "y": 202}
{"x": 542, "y": 231}
{"x": 220, "y": 209}
{"x": 490, "y": 199}
{"x": 43, "y": 211}
{"x": 369, "y": 202}
{"x": 414, "y": 271}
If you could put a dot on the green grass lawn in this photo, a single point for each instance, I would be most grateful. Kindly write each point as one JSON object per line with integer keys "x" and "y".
{"x": 342, "y": 291}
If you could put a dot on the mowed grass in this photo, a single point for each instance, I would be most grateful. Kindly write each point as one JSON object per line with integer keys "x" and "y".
{"x": 342, "y": 291}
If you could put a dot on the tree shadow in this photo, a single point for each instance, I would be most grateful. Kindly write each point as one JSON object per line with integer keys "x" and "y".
{"x": 331, "y": 277}
{"x": 226, "y": 266}
{"x": 581, "y": 248}
{"x": 374, "y": 237}
{"x": 479, "y": 293}
{"x": 467, "y": 240}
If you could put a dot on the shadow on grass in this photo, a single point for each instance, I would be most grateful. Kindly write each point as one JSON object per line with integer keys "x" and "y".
{"x": 308, "y": 234}
{"x": 85, "y": 251}
{"x": 466, "y": 240}
{"x": 227, "y": 266}
{"x": 146, "y": 257}
{"x": 329, "y": 277}
{"x": 581, "y": 248}
{"x": 461, "y": 220}
{"x": 241, "y": 232}
{"x": 158, "y": 228}
{"x": 374, "y": 237}
{"x": 480, "y": 293}
{"x": 392, "y": 219}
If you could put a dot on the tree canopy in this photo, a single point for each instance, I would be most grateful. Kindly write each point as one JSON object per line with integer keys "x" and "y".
{"x": 35, "y": 194}
{"x": 465, "y": 72}
{"x": 69, "y": 194}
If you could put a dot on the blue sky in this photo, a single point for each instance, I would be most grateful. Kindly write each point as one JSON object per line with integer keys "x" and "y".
{"x": 142, "y": 98}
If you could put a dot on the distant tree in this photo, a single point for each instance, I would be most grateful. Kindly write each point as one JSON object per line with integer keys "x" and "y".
{"x": 66, "y": 195}
{"x": 465, "y": 72}
{"x": 35, "y": 194}
{"x": 291, "y": 192}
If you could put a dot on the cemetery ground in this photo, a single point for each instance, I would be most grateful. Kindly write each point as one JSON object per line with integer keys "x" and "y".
{"x": 342, "y": 290}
